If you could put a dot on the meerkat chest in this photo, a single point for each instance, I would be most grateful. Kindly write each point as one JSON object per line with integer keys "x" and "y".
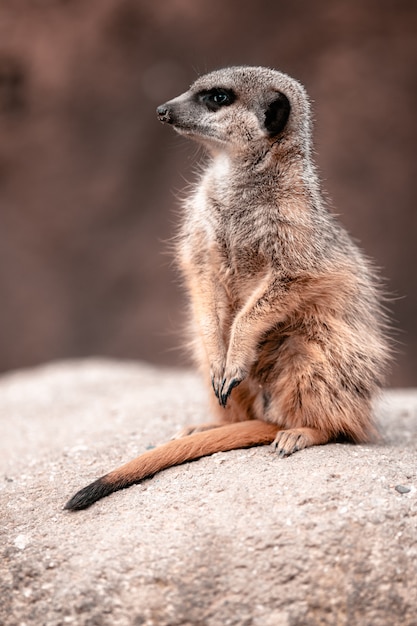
{"x": 228, "y": 231}
{"x": 237, "y": 263}
{"x": 238, "y": 269}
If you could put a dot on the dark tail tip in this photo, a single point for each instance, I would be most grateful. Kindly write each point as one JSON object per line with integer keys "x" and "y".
{"x": 90, "y": 494}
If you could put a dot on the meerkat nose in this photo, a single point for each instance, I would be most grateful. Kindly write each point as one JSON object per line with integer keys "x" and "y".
{"x": 163, "y": 113}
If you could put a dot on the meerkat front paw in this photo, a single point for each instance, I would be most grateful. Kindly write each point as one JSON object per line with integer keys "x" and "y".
{"x": 217, "y": 376}
{"x": 226, "y": 389}
{"x": 231, "y": 378}
{"x": 223, "y": 384}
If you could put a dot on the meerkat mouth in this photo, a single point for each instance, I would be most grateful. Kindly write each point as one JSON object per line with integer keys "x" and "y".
{"x": 202, "y": 135}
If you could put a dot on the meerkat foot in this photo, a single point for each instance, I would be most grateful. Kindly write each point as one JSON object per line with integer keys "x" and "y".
{"x": 198, "y": 428}
{"x": 292, "y": 440}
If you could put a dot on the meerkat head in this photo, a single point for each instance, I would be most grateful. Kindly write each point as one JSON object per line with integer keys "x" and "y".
{"x": 237, "y": 109}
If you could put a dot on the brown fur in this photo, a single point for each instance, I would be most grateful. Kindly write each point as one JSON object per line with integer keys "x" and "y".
{"x": 188, "y": 448}
{"x": 285, "y": 312}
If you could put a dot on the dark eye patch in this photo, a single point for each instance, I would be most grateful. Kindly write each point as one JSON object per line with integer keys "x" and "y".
{"x": 216, "y": 98}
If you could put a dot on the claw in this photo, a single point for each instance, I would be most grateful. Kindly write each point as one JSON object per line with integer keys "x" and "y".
{"x": 286, "y": 443}
{"x": 215, "y": 387}
{"x": 225, "y": 393}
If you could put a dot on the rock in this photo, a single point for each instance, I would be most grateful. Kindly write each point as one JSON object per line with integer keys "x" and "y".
{"x": 402, "y": 489}
{"x": 242, "y": 538}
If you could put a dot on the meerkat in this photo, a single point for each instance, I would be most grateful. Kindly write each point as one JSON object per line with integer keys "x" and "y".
{"x": 286, "y": 318}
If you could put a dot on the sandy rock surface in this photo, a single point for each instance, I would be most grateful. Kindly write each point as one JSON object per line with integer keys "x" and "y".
{"x": 327, "y": 536}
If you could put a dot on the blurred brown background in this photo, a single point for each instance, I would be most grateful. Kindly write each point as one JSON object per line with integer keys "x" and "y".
{"x": 89, "y": 178}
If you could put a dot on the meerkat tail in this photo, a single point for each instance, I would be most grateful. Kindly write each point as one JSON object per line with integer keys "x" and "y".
{"x": 229, "y": 437}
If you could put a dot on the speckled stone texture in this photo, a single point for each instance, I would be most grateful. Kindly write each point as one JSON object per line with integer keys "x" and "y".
{"x": 325, "y": 537}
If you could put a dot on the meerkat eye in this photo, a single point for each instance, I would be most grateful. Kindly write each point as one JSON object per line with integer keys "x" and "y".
{"x": 214, "y": 99}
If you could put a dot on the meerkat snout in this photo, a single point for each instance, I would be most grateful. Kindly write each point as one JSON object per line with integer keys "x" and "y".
{"x": 163, "y": 113}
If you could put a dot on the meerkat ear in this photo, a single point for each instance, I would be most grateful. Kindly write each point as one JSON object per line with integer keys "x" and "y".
{"x": 277, "y": 114}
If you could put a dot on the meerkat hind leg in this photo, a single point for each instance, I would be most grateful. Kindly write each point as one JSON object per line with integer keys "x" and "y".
{"x": 197, "y": 428}
{"x": 289, "y": 441}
